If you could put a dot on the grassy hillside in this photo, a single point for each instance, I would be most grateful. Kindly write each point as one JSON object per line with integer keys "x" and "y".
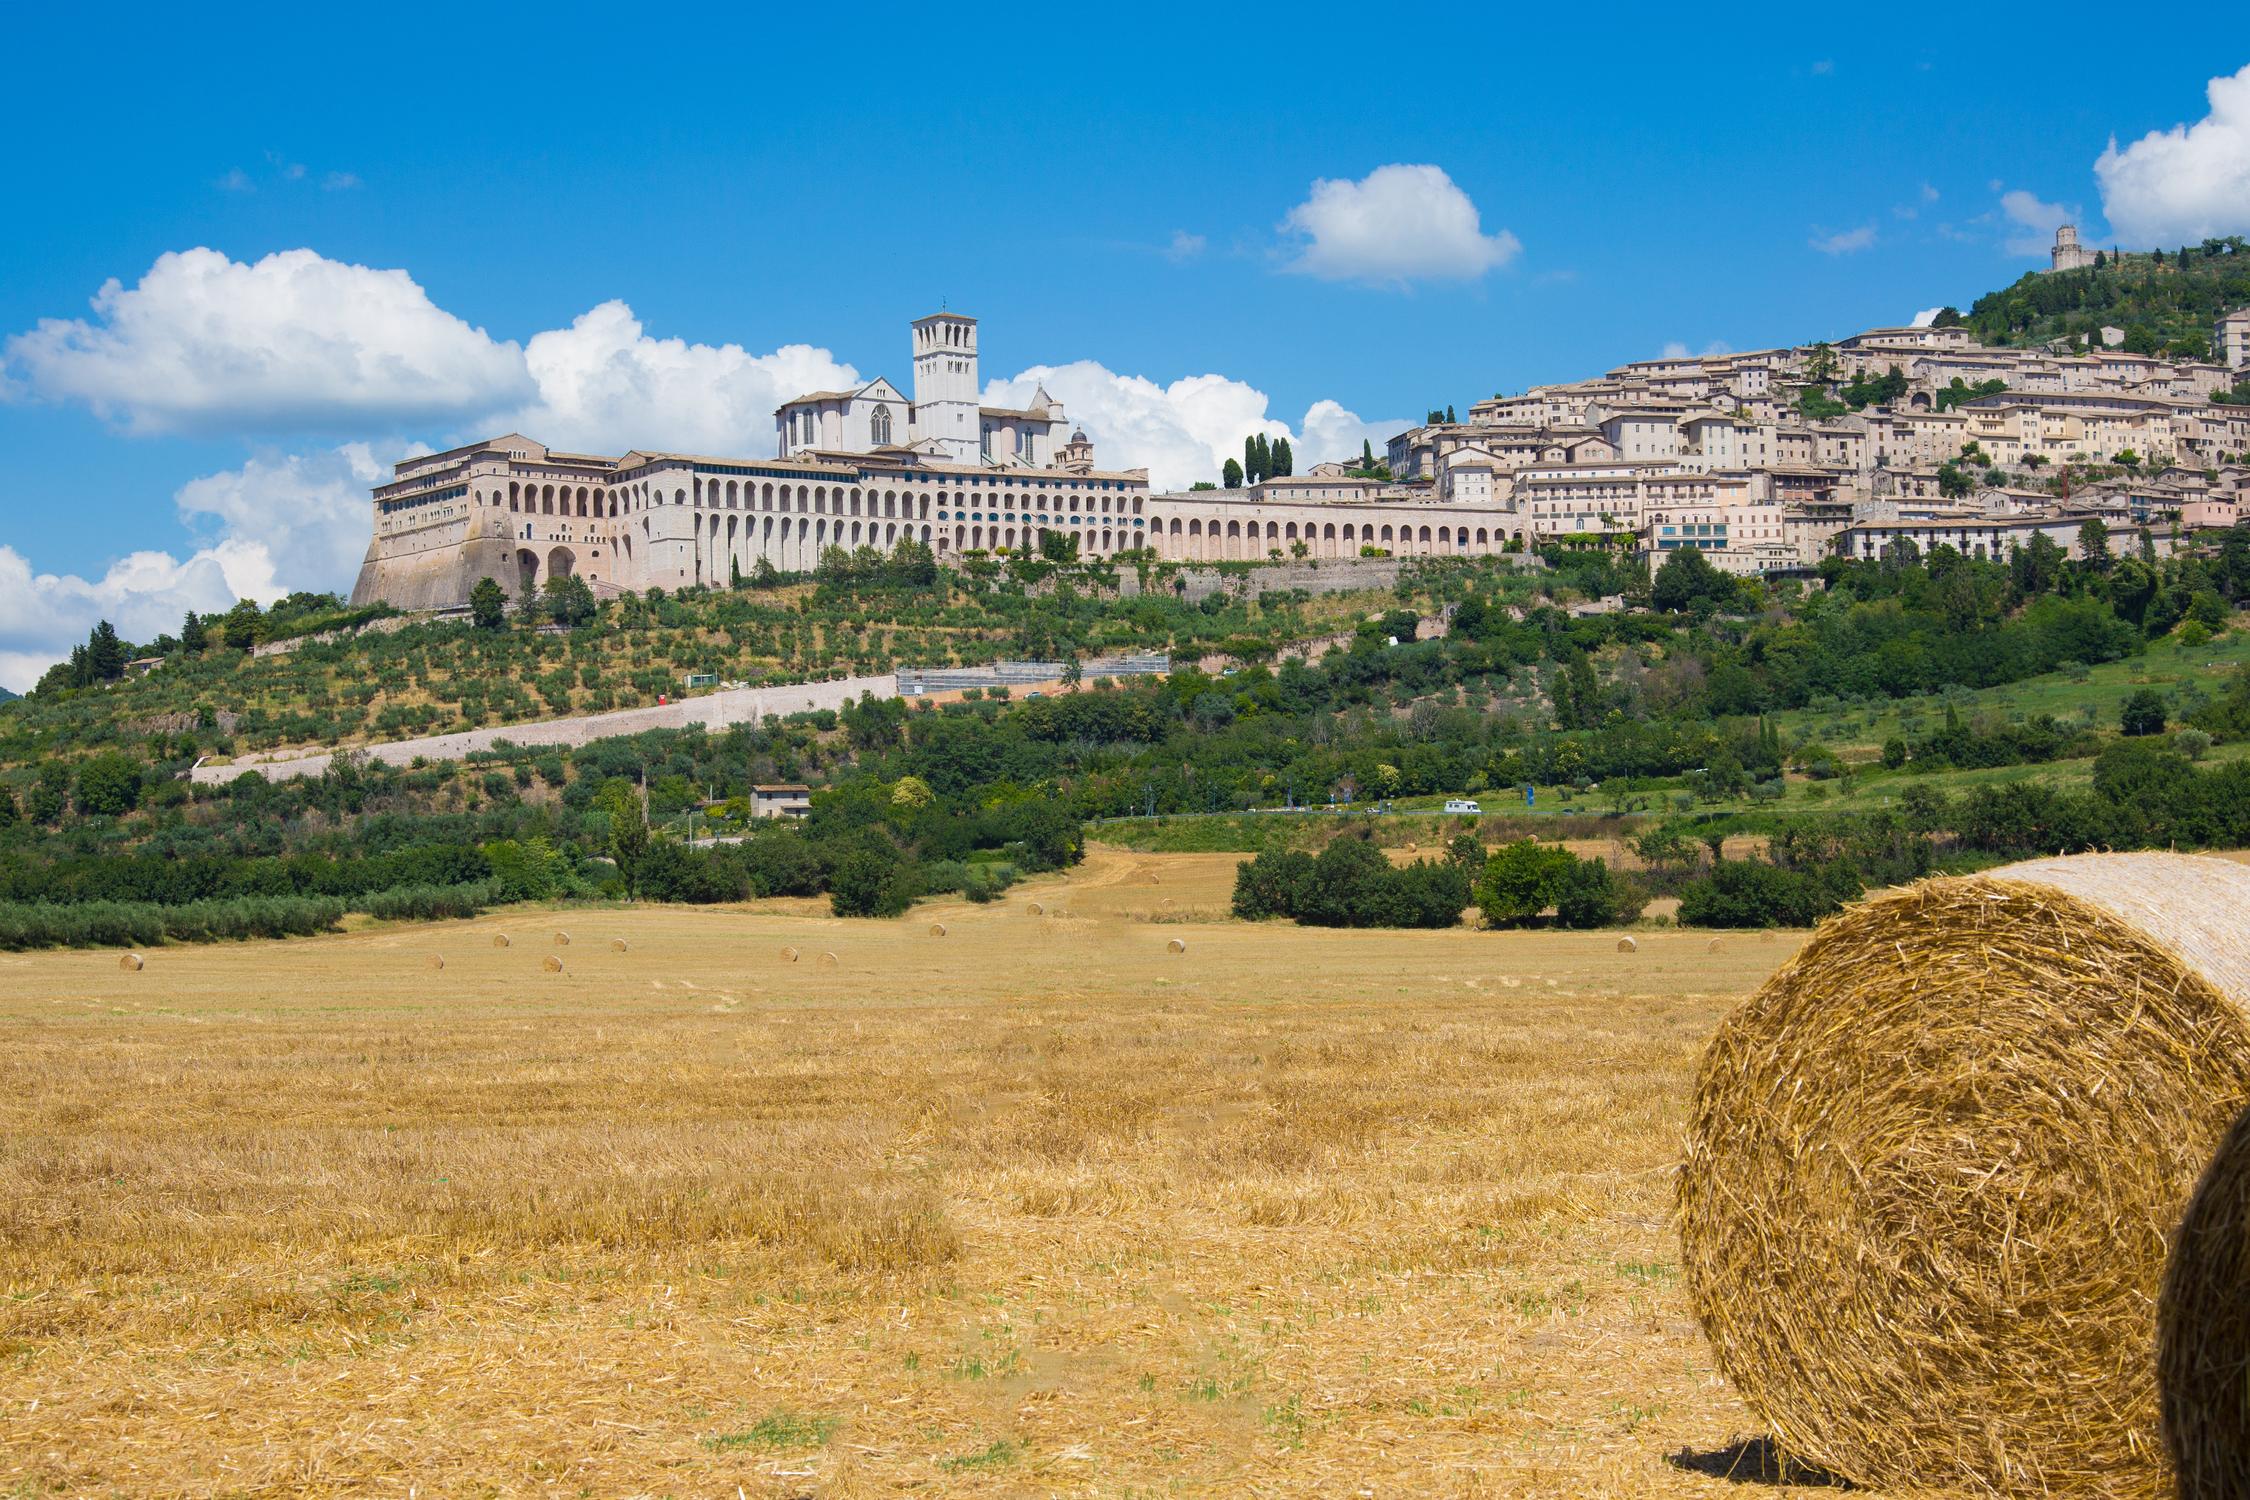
{"x": 2164, "y": 305}
{"x": 440, "y": 676}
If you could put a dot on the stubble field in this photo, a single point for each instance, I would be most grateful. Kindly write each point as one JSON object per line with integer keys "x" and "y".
{"x": 1036, "y": 1206}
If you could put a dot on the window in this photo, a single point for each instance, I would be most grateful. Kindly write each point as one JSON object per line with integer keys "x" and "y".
{"x": 880, "y": 424}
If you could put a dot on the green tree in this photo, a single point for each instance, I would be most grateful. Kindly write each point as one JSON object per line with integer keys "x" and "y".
{"x": 243, "y": 625}
{"x": 109, "y": 785}
{"x": 105, "y": 653}
{"x": 568, "y": 600}
{"x": 1231, "y": 475}
{"x": 1284, "y": 460}
{"x": 1520, "y": 881}
{"x": 1687, "y": 579}
{"x": 628, "y": 829}
{"x": 193, "y": 635}
{"x": 2093, "y": 544}
{"x": 1588, "y": 895}
{"x": 488, "y": 605}
{"x": 2142, "y": 713}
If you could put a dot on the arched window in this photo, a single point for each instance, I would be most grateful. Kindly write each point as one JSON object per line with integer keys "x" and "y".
{"x": 880, "y": 424}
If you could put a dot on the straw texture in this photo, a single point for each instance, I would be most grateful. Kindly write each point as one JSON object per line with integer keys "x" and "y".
{"x": 2203, "y": 1331}
{"x": 1934, "y": 1163}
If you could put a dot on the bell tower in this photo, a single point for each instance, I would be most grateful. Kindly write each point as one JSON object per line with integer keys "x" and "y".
{"x": 945, "y": 384}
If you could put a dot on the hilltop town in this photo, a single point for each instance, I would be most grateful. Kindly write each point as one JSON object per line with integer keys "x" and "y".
{"x": 1765, "y": 461}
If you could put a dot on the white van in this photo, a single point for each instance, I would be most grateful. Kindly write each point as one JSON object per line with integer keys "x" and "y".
{"x": 1461, "y": 805}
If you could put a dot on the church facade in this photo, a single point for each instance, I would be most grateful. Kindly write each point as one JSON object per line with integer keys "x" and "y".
{"x": 866, "y": 467}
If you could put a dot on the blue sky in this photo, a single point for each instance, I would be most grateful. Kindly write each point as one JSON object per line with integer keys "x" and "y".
{"x": 1129, "y": 199}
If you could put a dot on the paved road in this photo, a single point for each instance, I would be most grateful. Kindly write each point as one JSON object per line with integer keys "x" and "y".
{"x": 712, "y": 711}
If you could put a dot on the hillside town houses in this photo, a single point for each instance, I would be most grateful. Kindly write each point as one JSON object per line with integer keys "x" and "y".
{"x": 1969, "y": 446}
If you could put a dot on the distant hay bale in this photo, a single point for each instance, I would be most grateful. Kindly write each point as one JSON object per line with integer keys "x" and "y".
{"x": 551, "y": 964}
{"x": 828, "y": 960}
{"x": 617, "y": 945}
{"x": 788, "y": 955}
{"x": 562, "y": 939}
{"x": 435, "y": 961}
{"x": 1036, "y": 909}
{"x": 937, "y": 929}
{"x": 1713, "y": 946}
{"x": 1627, "y": 945}
{"x": 2203, "y": 1330}
{"x": 131, "y": 963}
{"x": 1177, "y": 945}
{"x": 499, "y": 940}
{"x": 1933, "y": 1164}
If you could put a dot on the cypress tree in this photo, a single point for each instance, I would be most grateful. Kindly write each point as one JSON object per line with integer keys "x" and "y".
{"x": 1250, "y": 458}
{"x": 193, "y": 637}
{"x": 1284, "y": 461}
{"x": 105, "y": 653}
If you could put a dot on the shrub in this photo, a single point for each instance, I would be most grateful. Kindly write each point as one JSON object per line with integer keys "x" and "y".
{"x": 1751, "y": 893}
{"x": 1521, "y": 880}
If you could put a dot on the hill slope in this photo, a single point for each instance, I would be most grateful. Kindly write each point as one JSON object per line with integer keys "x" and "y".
{"x": 2165, "y": 302}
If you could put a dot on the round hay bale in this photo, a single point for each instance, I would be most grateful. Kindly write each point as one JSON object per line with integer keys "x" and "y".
{"x": 1712, "y": 946}
{"x": 617, "y": 945}
{"x": 1036, "y": 909}
{"x": 2203, "y": 1330}
{"x": 131, "y": 963}
{"x": 1933, "y": 1164}
{"x": 1177, "y": 945}
{"x": 551, "y": 964}
{"x": 435, "y": 961}
{"x": 828, "y": 960}
{"x": 788, "y": 955}
{"x": 499, "y": 940}
{"x": 562, "y": 939}
{"x": 1627, "y": 945}
{"x": 937, "y": 929}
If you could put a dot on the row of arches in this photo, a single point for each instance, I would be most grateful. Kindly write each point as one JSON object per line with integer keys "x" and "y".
{"x": 592, "y": 502}
{"x": 1196, "y": 539}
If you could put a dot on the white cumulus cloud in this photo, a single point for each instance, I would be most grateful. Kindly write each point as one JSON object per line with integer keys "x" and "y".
{"x": 295, "y": 341}
{"x": 2187, "y": 183}
{"x": 1184, "y": 431}
{"x": 42, "y": 615}
{"x": 286, "y": 521}
{"x": 1396, "y": 225}
{"x": 1925, "y": 317}
{"x": 2035, "y": 222}
{"x": 604, "y": 386}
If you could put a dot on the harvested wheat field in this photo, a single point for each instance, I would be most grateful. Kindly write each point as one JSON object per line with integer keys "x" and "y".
{"x": 1043, "y": 1208}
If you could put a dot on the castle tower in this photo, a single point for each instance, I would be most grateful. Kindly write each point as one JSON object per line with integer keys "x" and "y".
{"x": 945, "y": 385}
{"x": 2068, "y": 254}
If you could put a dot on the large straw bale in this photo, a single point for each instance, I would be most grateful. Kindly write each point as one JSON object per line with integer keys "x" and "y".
{"x": 1933, "y": 1164}
{"x": 435, "y": 961}
{"x": 1628, "y": 945}
{"x": 131, "y": 963}
{"x": 499, "y": 940}
{"x": 937, "y": 929}
{"x": 788, "y": 955}
{"x": 618, "y": 945}
{"x": 2203, "y": 1331}
{"x": 1177, "y": 945}
{"x": 551, "y": 964}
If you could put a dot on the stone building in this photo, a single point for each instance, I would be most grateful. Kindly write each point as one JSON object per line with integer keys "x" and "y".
{"x": 2068, "y": 254}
